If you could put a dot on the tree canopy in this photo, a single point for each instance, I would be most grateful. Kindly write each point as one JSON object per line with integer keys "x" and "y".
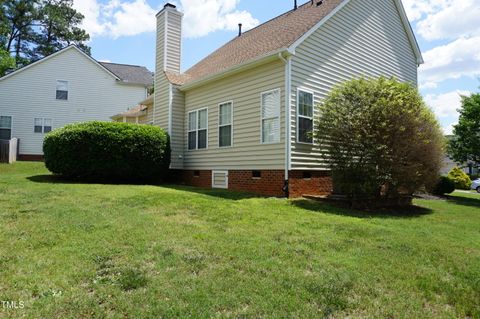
{"x": 464, "y": 147}
{"x": 33, "y": 29}
{"x": 379, "y": 138}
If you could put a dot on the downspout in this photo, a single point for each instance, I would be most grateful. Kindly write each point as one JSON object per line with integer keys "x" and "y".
{"x": 170, "y": 109}
{"x": 288, "y": 91}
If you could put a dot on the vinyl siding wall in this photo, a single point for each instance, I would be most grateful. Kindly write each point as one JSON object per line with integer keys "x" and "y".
{"x": 366, "y": 37}
{"x": 178, "y": 128}
{"x": 93, "y": 94}
{"x": 244, "y": 90}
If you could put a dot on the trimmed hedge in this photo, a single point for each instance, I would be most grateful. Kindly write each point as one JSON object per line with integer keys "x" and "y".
{"x": 108, "y": 151}
{"x": 445, "y": 186}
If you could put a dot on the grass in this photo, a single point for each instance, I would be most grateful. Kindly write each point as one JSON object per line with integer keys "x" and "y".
{"x": 71, "y": 250}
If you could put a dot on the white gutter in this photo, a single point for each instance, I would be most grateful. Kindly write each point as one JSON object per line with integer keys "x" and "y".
{"x": 170, "y": 109}
{"x": 288, "y": 117}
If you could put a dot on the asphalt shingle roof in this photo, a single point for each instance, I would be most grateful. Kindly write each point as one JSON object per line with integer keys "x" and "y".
{"x": 278, "y": 33}
{"x": 133, "y": 74}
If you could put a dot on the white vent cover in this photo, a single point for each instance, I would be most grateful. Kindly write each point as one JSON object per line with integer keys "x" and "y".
{"x": 220, "y": 179}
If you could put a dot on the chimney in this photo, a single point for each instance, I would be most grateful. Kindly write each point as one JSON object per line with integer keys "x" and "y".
{"x": 295, "y": 6}
{"x": 239, "y": 29}
{"x": 169, "y": 39}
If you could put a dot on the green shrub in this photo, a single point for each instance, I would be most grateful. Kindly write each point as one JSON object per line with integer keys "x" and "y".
{"x": 108, "y": 151}
{"x": 460, "y": 178}
{"x": 444, "y": 186}
{"x": 379, "y": 138}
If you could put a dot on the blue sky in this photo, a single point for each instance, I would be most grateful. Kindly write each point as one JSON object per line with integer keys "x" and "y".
{"x": 448, "y": 32}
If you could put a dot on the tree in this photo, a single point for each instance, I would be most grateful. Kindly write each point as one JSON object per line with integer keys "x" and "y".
{"x": 6, "y": 62}
{"x": 464, "y": 147}
{"x": 59, "y": 23}
{"x": 33, "y": 29}
{"x": 379, "y": 138}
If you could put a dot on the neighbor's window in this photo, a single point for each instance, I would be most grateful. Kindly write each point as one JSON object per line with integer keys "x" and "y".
{"x": 305, "y": 117}
{"x": 62, "y": 90}
{"x": 5, "y": 127}
{"x": 271, "y": 117}
{"x": 197, "y": 129}
{"x": 42, "y": 125}
{"x": 225, "y": 120}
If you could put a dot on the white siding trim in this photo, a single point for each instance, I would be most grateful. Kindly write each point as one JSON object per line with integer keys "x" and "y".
{"x": 72, "y": 46}
{"x": 294, "y": 46}
{"x": 170, "y": 109}
{"x": 297, "y": 112}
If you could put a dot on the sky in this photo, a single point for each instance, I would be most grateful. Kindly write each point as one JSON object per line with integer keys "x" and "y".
{"x": 448, "y": 32}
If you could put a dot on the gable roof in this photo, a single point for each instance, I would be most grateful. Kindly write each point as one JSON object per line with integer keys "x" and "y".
{"x": 132, "y": 74}
{"x": 136, "y": 111}
{"x": 284, "y": 32}
{"x": 74, "y": 47}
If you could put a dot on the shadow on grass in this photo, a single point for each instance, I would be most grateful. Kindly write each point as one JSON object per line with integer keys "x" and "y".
{"x": 464, "y": 201}
{"x": 328, "y": 208}
{"x": 224, "y": 194}
{"x": 57, "y": 179}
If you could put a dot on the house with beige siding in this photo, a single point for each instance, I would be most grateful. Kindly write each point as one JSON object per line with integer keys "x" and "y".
{"x": 240, "y": 118}
{"x": 66, "y": 87}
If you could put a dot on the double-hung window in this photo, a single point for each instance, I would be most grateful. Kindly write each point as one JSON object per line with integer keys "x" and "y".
{"x": 225, "y": 121}
{"x": 198, "y": 129}
{"x": 271, "y": 117}
{"x": 62, "y": 90}
{"x": 42, "y": 125}
{"x": 305, "y": 117}
{"x": 5, "y": 127}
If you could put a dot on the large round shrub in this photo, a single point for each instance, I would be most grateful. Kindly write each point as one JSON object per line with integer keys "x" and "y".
{"x": 108, "y": 151}
{"x": 379, "y": 138}
{"x": 460, "y": 178}
{"x": 444, "y": 186}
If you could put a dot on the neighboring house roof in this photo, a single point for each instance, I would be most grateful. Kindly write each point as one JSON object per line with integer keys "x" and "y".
{"x": 136, "y": 111}
{"x": 107, "y": 68}
{"x": 133, "y": 74}
{"x": 284, "y": 32}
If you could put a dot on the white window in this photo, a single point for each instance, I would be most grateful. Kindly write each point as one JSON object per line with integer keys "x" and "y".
{"x": 225, "y": 121}
{"x": 198, "y": 129}
{"x": 271, "y": 117}
{"x": 42, "y": 125}
{"x": 5, "y": 127}
{"x": 305, "y": 116}
{"x": 62, "y": 90}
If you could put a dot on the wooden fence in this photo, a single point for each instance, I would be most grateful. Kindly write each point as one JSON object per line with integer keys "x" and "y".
{"x": 8, "y": 150}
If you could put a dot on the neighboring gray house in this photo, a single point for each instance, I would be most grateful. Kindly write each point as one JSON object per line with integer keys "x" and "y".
{"x": 66, "y": 87}
{"x": 240, "y": 118}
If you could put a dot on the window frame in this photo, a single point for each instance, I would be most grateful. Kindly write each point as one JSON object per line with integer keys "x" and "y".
{"x": 312, "y": 118}
{"x": 68, "y": 90}
{"x": 43, "y": 125}
{"x": 279, "y": 117}
{"x": 197, "y": 119}
{"x": 11, "y": 125}
{"x": 231, "y": 124}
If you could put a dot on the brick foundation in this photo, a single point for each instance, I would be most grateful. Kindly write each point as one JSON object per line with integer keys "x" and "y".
{"x": 309, "y": 183}
{"x": 270, "y": 182}
{"x": 30, "y": 158}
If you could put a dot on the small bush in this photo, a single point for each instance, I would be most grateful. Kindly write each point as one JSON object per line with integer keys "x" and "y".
{"x": 444, "y": 186}
{"x": 460, "y": 178}
{"x": 108, "y": 151}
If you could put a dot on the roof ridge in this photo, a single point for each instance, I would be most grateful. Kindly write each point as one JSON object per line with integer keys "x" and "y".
{"x": 134, "y": 65}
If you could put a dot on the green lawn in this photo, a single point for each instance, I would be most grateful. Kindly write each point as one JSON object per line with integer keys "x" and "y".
{"x": 75, "y": 251}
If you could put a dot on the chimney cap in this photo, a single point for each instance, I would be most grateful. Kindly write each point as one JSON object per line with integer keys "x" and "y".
{"x": 169, "y": 5}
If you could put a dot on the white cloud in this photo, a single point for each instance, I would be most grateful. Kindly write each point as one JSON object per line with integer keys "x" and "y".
{"x": 118, "y": 18}
{"x": 204, "y": 16}
{"x": 446, "y": 104}
{"x": 417, "y": 9}
{"x": 459, "y": 18}
{"x": 451, "y": 61}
